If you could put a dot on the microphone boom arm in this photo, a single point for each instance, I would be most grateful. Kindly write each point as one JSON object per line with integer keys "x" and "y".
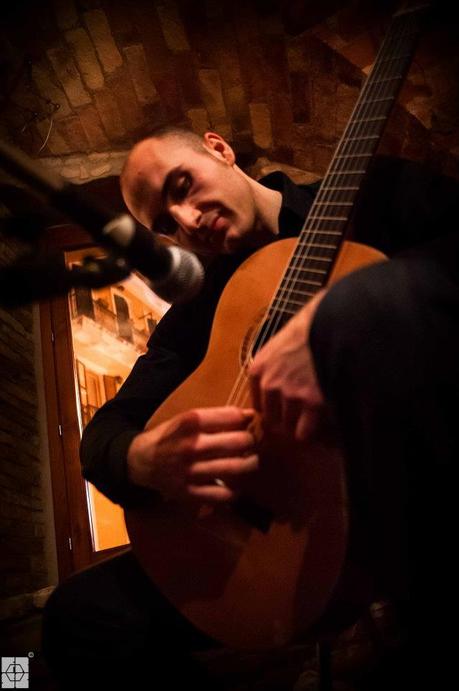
{"x": 175, "y": 274}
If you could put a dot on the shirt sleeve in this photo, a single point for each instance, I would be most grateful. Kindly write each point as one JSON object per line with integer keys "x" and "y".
{"x": 106, "y": 439}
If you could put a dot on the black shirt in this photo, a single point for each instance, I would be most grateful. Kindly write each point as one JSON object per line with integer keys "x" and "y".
{"x": 400, "y": 205}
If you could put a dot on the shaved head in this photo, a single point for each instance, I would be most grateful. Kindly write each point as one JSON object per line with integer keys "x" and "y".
{"x": 189, "y": 188}
{"x": 179, "y": 135}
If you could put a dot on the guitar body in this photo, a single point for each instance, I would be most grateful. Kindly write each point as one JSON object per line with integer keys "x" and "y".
{"x": 259, "y": 574}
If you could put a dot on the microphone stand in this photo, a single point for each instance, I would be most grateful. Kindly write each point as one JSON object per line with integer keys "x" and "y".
{"x": 175, "y": 274}
{"x": 33, "y": 276}
{"x": 30, "y": 279}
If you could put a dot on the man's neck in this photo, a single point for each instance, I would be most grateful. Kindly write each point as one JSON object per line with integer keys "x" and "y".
{"x": 268, "y": 203}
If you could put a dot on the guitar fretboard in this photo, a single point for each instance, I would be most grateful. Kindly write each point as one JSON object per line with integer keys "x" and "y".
{"x": 323, "y": 230}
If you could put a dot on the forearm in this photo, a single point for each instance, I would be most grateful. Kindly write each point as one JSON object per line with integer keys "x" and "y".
{"x": 108, "y": 437}
{"x": 103, "y": 458}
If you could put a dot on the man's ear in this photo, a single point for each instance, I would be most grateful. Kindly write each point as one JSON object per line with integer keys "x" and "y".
{"x": 219, "y": 148}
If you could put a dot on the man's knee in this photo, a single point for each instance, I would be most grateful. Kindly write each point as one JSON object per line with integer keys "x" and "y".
{"x": 381, "y": 323}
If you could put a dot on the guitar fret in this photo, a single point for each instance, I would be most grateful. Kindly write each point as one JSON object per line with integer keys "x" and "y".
{"x": 298, "y": 293}
{"x": 300, "y": 303}
{"x": 348, "y": 172}
{"x": 292, "y": 294}
{"x": 317, "y": 231}
{"x": 303, "y": 281}
{"x": 399, "y": 57}
{"x": 339, "y": 189}
{"x": 325, "y": 247}
{"x": 308, "y": 281}
{"x": 285, "y": 310}
{"x": 314, "y": 271}
{"x": 345, "y": 171}
{"x": 333, "y": 203}
{"x": 320, "y": 259}
{"x": 353, "y": 156}
{"x": 303, "y": 278}
{"x": 379, "y": 100}
{"x": 301, "y": 300}
{"x": 387, "y": 79}
{"x": 359, "y": 149}
{"x": 360, "y": 139}
{"x": 289, "y": 300}
{"x": 327, "y": 218}
{"x": 378, "y": 118}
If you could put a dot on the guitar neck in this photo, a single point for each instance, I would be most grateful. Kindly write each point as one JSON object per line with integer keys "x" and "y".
{"x": 324, "y": 227}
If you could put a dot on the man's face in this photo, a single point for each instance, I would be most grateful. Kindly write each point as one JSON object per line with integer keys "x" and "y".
{"x": 198, "y": 198}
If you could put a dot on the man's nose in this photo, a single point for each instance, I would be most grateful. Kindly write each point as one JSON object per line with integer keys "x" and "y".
{"x": 187, "y": 216}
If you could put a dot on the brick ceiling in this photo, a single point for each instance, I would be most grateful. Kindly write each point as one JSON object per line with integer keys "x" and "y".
{"x": 278, "y": 78}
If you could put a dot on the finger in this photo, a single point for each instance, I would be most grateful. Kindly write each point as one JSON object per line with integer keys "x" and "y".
{"x": 291, "y": 411}
{"x": 220, "y": 419}
{"x": 225, "y": 467}
{"x": 221, "y": 444}
{"x": 255, "y": 391}
{"x": 307, "y": 425}
{"x": 271, "y": 408}
{"x": 213, "y": 494}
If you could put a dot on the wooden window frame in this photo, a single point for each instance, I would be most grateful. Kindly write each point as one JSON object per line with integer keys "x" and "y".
{"x": 72, "y": 525}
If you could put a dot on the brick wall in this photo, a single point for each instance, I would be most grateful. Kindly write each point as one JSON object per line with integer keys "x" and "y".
{"x": 94, "y": 77}
{"x": 27, "y": 555}
{"x": 82, "y": 168}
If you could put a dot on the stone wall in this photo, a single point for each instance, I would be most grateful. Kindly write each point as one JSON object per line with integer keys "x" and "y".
{"x": 82, "y": 168}
{"x": 27, "y": 555}
{"x": 276, "y": 78}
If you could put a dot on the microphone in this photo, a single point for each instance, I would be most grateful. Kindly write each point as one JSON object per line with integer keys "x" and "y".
{"x": 175, "y": 274}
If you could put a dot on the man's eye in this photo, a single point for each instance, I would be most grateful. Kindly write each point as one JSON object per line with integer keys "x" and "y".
{"x": 182, "y": 187}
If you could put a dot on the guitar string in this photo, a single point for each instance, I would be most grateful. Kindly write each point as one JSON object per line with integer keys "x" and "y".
{"x": 378, "y": 81}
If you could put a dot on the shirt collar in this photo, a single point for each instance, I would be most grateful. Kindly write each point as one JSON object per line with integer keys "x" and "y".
{"x": 296, "y": 201}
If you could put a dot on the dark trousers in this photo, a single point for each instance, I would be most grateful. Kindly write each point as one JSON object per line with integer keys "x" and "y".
{"x": 108, "y": 627}
{"x": 386, "y": 347}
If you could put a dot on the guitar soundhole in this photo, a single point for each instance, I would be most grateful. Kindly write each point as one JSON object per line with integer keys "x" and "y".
{"x": 256, "y": 516}
{"x": 260, "y": 340}
{"x": 270, "y": 326}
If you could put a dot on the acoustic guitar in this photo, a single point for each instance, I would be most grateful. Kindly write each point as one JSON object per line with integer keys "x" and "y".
{"x": 260, "y": 572}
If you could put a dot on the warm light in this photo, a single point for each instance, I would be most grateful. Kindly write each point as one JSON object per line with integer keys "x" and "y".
{"x": 110, "y": 329}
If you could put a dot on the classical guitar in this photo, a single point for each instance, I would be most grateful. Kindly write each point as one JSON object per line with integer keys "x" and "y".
{"x": 260, "y": 572}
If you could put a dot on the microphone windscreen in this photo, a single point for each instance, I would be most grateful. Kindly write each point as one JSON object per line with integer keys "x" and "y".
{"x": 184, "y": 279}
